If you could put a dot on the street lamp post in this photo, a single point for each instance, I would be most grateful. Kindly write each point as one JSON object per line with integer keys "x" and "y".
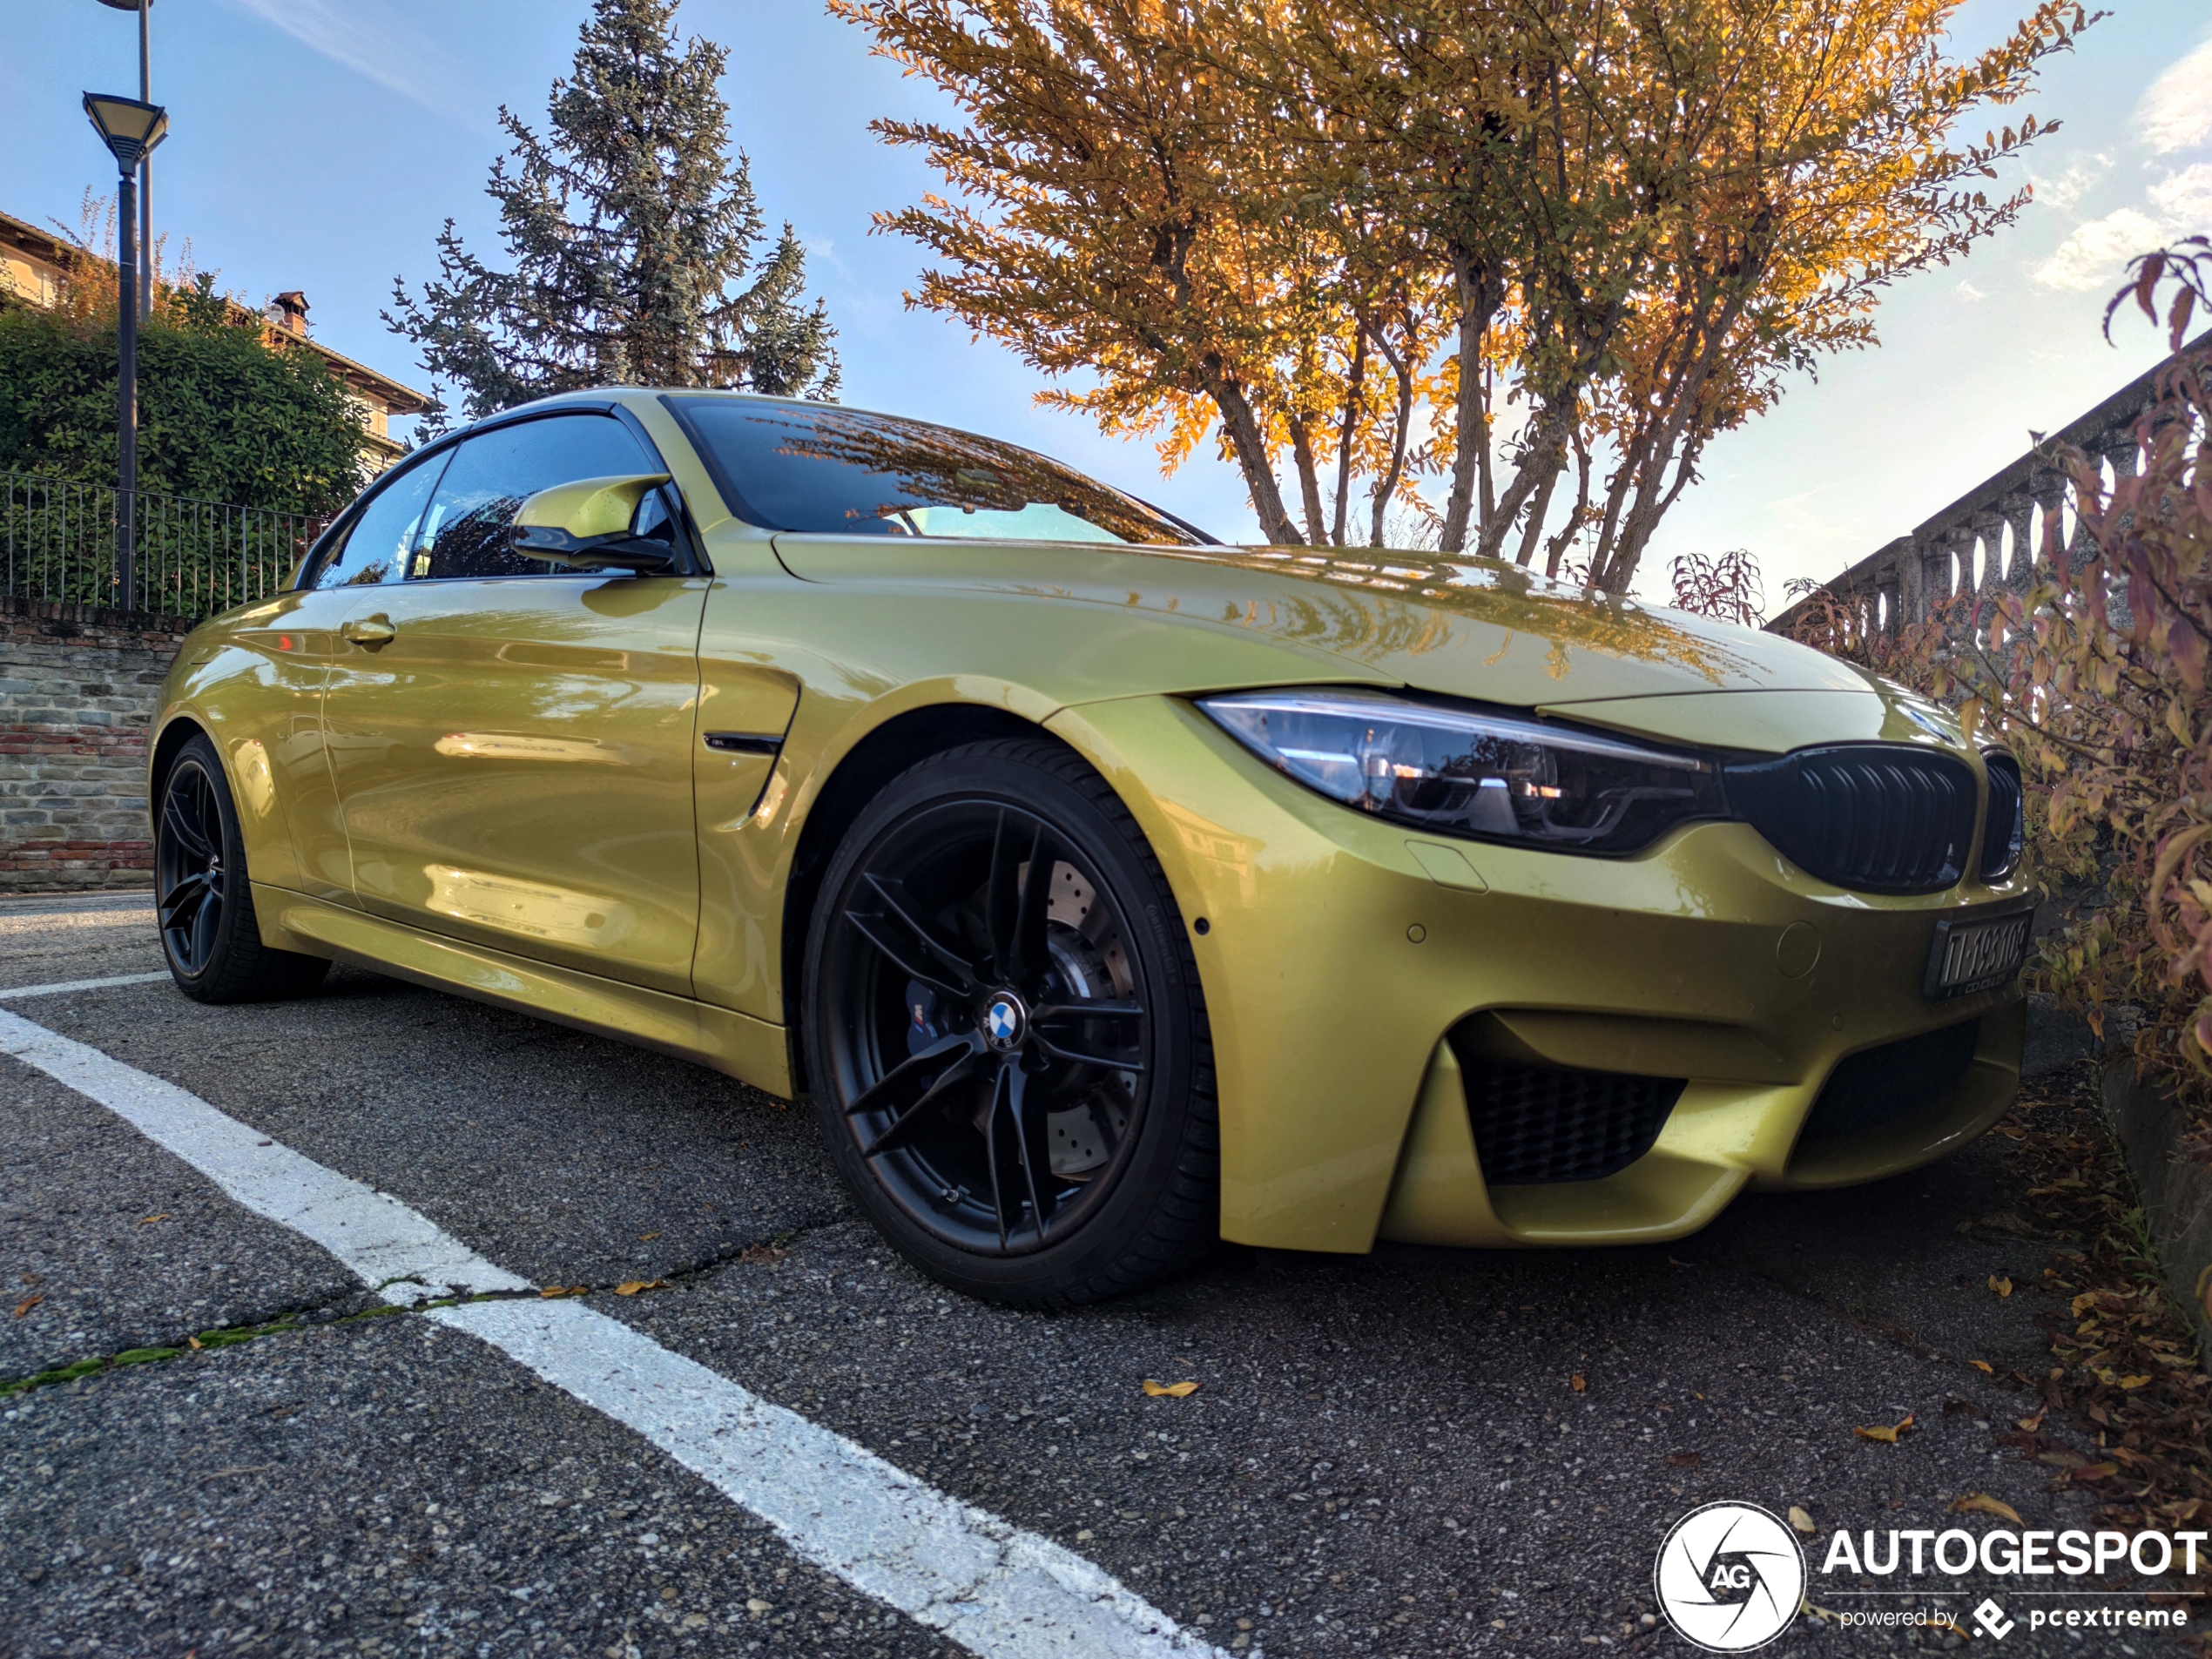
{"x": 145, "y": 9}
{"x": 130, "y": 127}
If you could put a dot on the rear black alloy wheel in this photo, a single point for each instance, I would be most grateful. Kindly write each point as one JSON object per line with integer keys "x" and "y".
{"x": 1005, "y": 1037}
{"x": 203, "y": 903}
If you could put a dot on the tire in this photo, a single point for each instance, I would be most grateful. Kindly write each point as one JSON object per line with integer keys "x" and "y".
{"x": 204, "y": 903}
{"x": 967, "y": 1033}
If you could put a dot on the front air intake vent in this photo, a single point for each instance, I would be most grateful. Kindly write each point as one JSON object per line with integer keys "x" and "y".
{"x": 1877, "y": 1088}
{"x": 1542, "y": 1125}
{"x": 2005, "y": 832}
{"x": 1874, "y": 817}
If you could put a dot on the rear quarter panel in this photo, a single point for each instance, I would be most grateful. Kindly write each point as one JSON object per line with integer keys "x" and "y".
{"x": 252, "y": 680}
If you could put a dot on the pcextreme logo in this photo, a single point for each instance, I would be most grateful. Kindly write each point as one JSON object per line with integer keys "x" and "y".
{"x": 1730, "y": 1576}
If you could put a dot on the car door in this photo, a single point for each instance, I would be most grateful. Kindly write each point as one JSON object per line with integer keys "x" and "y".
{"x": 510, "y": 740}
{"x": 369, "y": 552}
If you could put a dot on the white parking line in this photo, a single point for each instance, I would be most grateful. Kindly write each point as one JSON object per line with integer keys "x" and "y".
{"x": 375, "y": 1235}
{"x": 62, "y": 987}
{"x": 999, "y": 1591}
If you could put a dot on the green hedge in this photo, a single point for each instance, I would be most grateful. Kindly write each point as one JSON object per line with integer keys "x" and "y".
{"x": 221, "y": 416}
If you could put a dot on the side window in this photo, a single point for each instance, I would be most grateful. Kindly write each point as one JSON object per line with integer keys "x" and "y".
{"x": 376, "y": 548}
{"x": 494, "y": 472}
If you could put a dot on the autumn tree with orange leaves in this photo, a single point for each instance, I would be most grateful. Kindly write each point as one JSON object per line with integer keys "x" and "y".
{"x": 1545, "y": 249}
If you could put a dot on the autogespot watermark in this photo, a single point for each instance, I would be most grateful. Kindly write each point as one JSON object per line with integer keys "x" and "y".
{"x": 2001, "y": 1551}
{"x": 1731, "y": 1577}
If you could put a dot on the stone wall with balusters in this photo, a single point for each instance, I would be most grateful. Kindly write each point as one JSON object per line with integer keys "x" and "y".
{"x": 1991, "y": 536}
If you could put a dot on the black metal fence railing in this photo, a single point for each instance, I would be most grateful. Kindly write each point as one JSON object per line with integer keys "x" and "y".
{"x": 192, "y": 558}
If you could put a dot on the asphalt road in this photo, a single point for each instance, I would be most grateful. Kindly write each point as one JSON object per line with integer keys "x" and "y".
{"x": 1416, "y": 1453}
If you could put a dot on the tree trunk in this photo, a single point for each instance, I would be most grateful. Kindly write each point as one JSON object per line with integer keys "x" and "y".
{"x": 1351, "y": 405}
{"x": 1533, "y": 530}
{"x": 1309, "y": 478}
{"x": 1546, "y": 440}
{"x": 1403, "y": 371}
{"x": 1555, "y": 549}
{"x": 1251, "y": 447}
{"x": 1471, "y": 448}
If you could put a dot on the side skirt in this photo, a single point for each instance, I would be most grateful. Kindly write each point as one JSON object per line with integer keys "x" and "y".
{"x": 752, "y": 1051}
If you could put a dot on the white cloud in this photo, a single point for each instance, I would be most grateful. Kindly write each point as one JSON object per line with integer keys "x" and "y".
{"x": 2184, "y": 199}
{"x": 2094, "y": 256}
{"x": 2073, "y": 184}
{"x": 2177, "y": 113}
{"x": 365, "y": 39}
{"x": 1968, "y": 291}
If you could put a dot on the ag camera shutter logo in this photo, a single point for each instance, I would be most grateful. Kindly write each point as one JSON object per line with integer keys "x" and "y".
{"x": 1731, "y": 1576}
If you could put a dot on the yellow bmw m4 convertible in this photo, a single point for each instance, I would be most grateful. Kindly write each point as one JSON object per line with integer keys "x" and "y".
{"x": 1108, "y": 890}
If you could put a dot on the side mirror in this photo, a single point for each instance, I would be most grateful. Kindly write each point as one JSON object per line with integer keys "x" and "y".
{"x": 587, "y": 525}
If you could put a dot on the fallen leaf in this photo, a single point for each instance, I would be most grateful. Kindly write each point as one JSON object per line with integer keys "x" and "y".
{"x": 2002, "y": 1286}
{"x": 630, "y": 1287}
{"x": 760, "y": 1253}
{"x": 1885, "y": 1433}
{"x": 1982, "y": 1503}
{"x": 1801, "y": 1520}
{"x": 2133, "y": 1382}
{"x": 2029, "y": 1425}
{"x": 1679, "y": 1264}
{"x": 148, "y": 1220}
{"x": 1685, "y": 1460}
{"x": 643, "y": 1238}
{"x": 1174, "y": 1391}
{"x": 1983, "y": 1367}
{"x": 28, "y": 1302}
{"x": 195, "y": 1342}
{"x": 2096, "y": 1471}
{"x": 1580, "y": 1382}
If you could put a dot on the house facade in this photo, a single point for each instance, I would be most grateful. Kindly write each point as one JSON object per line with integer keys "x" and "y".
{"x": 35, "y": 265}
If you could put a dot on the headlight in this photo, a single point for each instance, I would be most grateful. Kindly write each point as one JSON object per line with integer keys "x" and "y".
{"x": 1494, "y": 777}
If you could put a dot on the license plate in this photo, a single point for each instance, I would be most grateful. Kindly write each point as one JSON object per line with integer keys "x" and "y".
{"x": 1972, "y": 956}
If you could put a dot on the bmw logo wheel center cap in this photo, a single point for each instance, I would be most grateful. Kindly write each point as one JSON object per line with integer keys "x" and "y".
{"x": 1006, "y": 1022}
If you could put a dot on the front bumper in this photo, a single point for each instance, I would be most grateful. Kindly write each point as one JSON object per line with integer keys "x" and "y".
{"x": 1341, "y": 949}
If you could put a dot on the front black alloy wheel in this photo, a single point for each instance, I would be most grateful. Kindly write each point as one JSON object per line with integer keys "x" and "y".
{"x": 1005, "y": 1041}
{"x": 203, "y": 903}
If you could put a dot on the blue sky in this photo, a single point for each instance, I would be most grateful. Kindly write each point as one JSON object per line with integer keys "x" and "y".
{"x": 319, "y": 145}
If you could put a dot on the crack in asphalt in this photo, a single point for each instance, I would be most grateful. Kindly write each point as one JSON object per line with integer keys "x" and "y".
{"x": 314, "y": 1315}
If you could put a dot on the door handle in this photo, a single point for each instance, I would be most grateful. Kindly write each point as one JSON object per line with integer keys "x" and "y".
{"x": 369, "y": 630}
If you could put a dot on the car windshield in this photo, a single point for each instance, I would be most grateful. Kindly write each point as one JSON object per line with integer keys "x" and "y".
{"x": 790, "y": 467}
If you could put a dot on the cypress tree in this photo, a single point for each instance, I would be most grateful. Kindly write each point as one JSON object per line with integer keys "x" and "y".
{"x": 632, "y": 234}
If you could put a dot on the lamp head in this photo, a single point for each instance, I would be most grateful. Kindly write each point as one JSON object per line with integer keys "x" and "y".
{"x": 125, "y": 5}
{"x": 128, "y": 127}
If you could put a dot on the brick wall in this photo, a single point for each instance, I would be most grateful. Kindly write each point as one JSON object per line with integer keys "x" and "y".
{"x": 77, "y": 696}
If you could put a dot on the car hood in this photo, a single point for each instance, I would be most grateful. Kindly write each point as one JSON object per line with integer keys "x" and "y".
{"x": 1460, "y": 627}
